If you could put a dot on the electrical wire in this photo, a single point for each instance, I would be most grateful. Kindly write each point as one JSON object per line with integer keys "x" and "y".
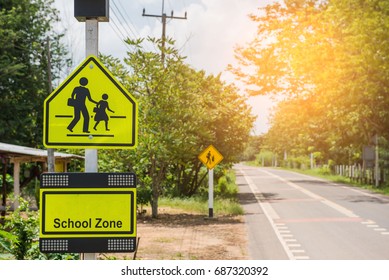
{"x": 124, "y": 19}
{"x": 129, "y": 27}
{"x": 121, "y": 33}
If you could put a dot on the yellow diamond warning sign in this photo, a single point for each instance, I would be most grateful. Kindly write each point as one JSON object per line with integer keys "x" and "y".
{"x": 210, "y": 157}
{"x": 90, "y": 109}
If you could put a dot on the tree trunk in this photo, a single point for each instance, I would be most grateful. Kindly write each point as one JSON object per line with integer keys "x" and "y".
{"x": 157, "y": 174}
{"x": 154, "y": 203}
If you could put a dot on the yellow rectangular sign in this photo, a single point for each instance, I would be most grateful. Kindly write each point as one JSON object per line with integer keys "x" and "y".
{"x": 87, "y": 212}
{"x": 92, "y": 212}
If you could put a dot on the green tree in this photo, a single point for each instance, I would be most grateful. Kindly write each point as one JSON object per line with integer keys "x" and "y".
{"x": 255, "y": 143}
{"x": 25, "y": 26}
{"x": 328, "y": 58}
{"x": 182, "y": 111}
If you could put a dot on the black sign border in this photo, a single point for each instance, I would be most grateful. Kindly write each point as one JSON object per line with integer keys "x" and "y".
{"x": 68, "y": 80}
{"x": 132, "y": 213}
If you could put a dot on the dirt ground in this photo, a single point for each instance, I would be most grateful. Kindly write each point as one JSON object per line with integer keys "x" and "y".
{"x": 188, "y": 236}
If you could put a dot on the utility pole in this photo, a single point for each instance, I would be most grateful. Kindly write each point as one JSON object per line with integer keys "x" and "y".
{"x": 164, "y": 18}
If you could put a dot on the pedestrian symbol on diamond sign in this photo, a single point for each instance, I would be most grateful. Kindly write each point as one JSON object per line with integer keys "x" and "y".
{"x": 90, "y": 109}
{"x": 210, "y": 157}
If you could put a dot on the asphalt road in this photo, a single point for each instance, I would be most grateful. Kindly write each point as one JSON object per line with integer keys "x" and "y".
{"x": 299, "y": 217}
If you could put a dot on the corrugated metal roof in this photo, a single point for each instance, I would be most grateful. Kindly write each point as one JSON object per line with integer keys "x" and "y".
{"x": 21, "y": 152}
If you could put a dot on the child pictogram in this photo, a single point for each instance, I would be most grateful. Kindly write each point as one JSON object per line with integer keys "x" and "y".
{"x": 101, "y": 113}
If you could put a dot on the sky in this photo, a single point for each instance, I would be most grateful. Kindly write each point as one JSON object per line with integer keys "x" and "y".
{"x": 208, "y": 37}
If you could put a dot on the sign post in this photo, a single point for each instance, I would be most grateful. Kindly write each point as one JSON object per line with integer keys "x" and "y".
{"x": 210, "y": 157}
{"x": 89, "y": 110}
{"x": 91, "y": 48}
{"x": 210, "y": 193}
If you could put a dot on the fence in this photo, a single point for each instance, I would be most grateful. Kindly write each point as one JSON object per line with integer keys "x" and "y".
{"x": 358, "y": 174}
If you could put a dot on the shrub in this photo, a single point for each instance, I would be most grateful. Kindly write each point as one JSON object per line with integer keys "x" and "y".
{"x": 226, "y": 186}
{"x": 20, "y": 236}
{"x": 20, "y": 232}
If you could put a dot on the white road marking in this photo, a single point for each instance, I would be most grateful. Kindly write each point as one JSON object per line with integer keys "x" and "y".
{"x": 369, "y": 222}
{"x": 270, "y": 214}
{"x": 337, "y": 207}
{"x": 289, "y": 244}
{"x": 372, "y": 226}
{"x": 290, "y": 240}
{"x": 282, "y": 232}
{"x": 294, "y": 245}
{"x": 302, "y": 258}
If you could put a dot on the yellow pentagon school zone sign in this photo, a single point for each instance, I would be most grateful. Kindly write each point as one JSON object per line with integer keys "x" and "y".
{"x": 210, "y": 157}
{"x": 90, "y": 109}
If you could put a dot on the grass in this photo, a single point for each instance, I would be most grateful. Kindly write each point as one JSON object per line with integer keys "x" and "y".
{"x": 6, "y": 256}
{"x": 342, "y": 180}
{"x": 222, "y": 206}
{"x": 225, "y": 199}
{"x": 334, "y": 178}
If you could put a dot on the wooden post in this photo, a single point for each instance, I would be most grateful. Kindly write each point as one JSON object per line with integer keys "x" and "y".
{"x": 16, "y": 184}
{"x": 4, "y": 189}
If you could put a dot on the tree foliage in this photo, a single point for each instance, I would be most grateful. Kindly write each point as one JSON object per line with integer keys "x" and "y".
{"x": 329, "y": 60}
{"x": 25, "y": 26}
{"x": 182, "y": 111}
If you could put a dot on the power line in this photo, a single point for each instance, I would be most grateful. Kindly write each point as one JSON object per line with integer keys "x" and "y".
{"x": 121, "y": 33}
{"x": 164, "y": 17}
{"x": 123, "y": 30}
{"x": 124, "y": 19}
{"x": 120, "y": 36}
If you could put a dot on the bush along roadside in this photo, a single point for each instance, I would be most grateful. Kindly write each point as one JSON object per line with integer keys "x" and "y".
{"x": 19, "y": 236}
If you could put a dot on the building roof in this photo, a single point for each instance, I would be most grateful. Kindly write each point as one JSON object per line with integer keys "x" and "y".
{"x": 27, "y": 154}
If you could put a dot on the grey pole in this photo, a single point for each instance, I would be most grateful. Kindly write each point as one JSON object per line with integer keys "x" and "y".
{"x": 92, "y": 48}
{"x": 50, "y": 152}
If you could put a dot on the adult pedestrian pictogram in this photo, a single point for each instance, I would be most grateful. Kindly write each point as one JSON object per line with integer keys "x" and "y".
{"x": 78, "y": 99}
{"x": 210, "y": 158}
{"x": 90, "y": 109}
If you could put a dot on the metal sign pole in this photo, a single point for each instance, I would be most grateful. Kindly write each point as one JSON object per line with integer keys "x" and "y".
{"x": 210, "y": 192}
{"x": 92, "y": 48}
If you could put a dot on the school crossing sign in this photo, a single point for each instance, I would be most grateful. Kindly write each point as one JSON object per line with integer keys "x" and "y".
{"x": 210, "y": 157}
{"x": 90, "y": 109}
